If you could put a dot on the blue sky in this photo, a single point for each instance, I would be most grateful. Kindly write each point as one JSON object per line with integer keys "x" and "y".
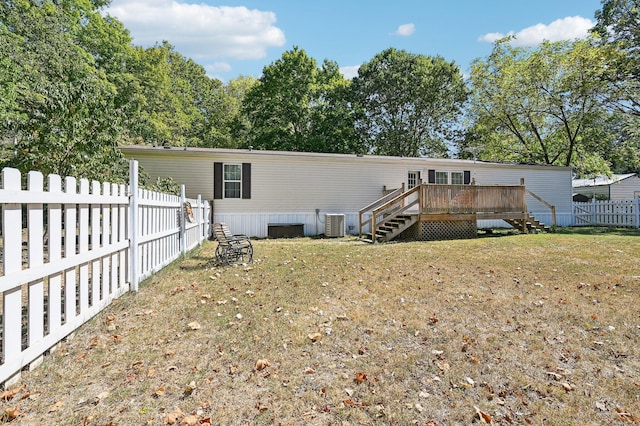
{"x": 241, "y": 37}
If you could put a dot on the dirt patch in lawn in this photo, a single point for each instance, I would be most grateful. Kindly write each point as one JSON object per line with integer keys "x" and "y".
{"x": 524, "y": 329}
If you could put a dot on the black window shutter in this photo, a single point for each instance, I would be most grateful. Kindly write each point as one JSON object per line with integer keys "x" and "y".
{"x": 432, "y": 176}
{"x": 217, "y": 181}
{"x": 246, "y": 181}
{"x": 467, "y": 177}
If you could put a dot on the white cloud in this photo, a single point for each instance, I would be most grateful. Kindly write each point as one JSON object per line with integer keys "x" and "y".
{"x": 405, "y": 30}
{"x": 217, "y": 67}
{"x": 350, "y": 71}
{"x": 200, "y": 31}
{"x": 569, "y": 28}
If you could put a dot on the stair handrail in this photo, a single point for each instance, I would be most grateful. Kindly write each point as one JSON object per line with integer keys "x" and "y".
{"x": 375, "y": 204}
{"x": 388, "y": 204}
{"x": 545, "y": 203}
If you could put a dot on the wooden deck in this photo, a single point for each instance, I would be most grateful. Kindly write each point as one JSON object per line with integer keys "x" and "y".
{"x": 447, "y": 203}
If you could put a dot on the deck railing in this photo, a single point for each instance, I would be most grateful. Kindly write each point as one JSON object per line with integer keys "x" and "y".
{"x": 471, "y": 199}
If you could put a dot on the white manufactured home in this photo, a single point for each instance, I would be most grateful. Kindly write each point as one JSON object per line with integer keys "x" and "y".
{"x": 262, "y": 192}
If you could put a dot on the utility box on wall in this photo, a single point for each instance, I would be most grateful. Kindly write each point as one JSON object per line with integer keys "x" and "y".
{"x": 334, "y": 225}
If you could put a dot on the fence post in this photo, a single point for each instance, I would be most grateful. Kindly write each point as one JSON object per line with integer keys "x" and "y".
{"x": 133, "y": 225}
{"x": 593, "y": 211}
{"x": 636, "y": 209}
{"x": 183, "y": 228}
{"x": 199, "y": 219}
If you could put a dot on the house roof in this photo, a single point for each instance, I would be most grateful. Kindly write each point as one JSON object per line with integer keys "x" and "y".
{"x": 600, "y": 180}
{"x": 131, "y": 150}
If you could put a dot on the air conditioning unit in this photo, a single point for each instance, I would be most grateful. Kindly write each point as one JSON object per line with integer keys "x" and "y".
{"x": 334, "y": 225}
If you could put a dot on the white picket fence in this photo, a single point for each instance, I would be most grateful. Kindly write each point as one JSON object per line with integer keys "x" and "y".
{"x": 67, "y": 251}
{"x": 620, "y": 213}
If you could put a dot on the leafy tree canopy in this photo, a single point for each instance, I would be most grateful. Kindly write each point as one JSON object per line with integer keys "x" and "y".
{"x": 296, "y": 106}
{"x": 408, "y": 104}
{"x": 542, "y": 105}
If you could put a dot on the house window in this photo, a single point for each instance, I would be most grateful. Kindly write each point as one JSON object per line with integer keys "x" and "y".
{"x": 442, "y": 178}
{"x": 232, "y": 180}
{"x": 457, "y": 178}
{"x": 413, "y": 179}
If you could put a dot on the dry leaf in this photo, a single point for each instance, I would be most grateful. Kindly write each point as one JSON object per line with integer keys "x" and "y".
{"x": 309, "y": 370}
{"x": 55, "y": 407}
{"x": 314, "y": 336}
{"x": 567, "y": 387}
{"x": 189, "y": 389}
{"x": 100, "y": 397}
{"x": 625, "y": 416}
{"x": 361, "y": 377}
{"x": 484, "y": 417}
{"x": 195, "y": 325}
{"x": 173, "y": 417}
{"x": 190, "y": 421}
{"x": 261, "y": 364}
{"x": 9, "y": 394}
{"x": 158, "y": 392}
{"x": 10, "y": 414}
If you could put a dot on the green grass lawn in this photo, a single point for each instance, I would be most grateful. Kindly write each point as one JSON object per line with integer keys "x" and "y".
{"x": 521, "y": 329}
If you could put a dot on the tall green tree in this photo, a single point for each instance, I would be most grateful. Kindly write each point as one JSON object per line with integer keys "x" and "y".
{"x": 408, "y": 104}
{"x": 293, "y": 101}
{"x": 65, "y": 116}
{"x": 238, "y": 123}
{"x": 180, "y": 104}
{"x": 618, "y": 24}
{"x": 541, "y": 105}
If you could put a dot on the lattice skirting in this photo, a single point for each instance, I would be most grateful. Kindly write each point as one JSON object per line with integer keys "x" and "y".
{"x": 448, "y": 230}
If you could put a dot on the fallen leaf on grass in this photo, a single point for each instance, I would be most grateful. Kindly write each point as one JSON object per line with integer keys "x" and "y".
{"x": 261, "y": 364}
{"x": 9, "y": 394}
{"x": 173, "y": 417}
{"x": 361, "y": 377}
{"x": 100, "y": 397}
{"x": 484, "y": 417}
{"x": 177, "y": 290}
{"x": 314, "y": 336}
{"x": 567, "y": 387}
{"x": 158, "y": 392}
{"x": 189, "y": 389}
{"x": 55, "y": 407}
{"x": 625, "y": 416}
{"x": 9, "y": 414}
{"x": 190, "y": 421}
{"x": 195, "y": 325}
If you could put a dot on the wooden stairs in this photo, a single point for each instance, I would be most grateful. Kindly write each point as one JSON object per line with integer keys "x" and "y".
{"x": 531, "y": 224}
{"x": 391, "y": 228}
